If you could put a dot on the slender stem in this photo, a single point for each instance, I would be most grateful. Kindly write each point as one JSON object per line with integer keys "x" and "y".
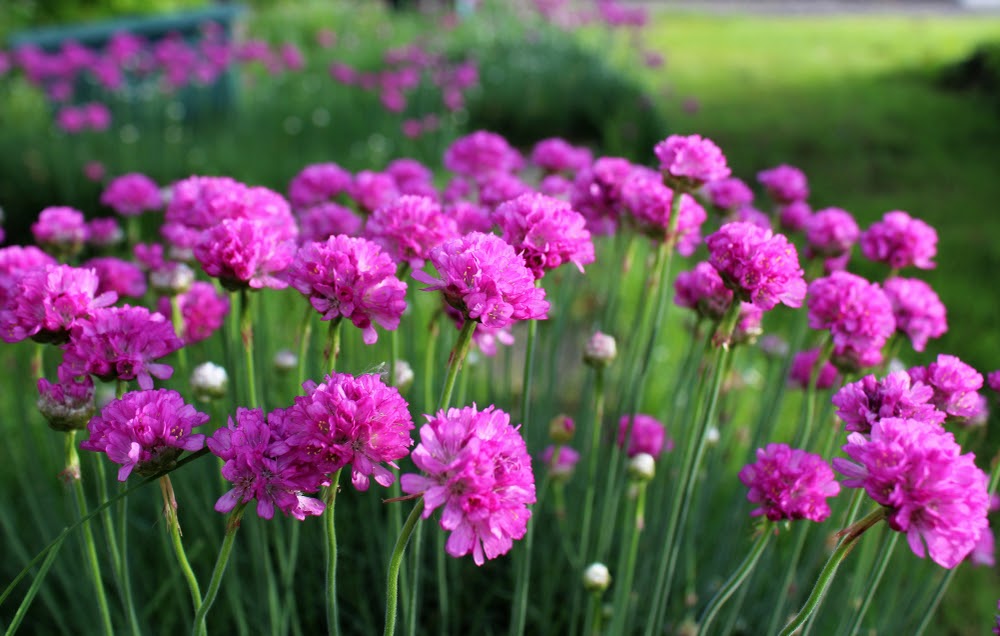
{"x": 36, "y": 585}
{"x": 116, "y": 544}
{"x": 626, "y": 568}
{"x": 455, "y": 362}
{"x": 801, "y": 531}
{"x": 593, "y": 452}
{"x": 174, "y": 527}
{"x": 177, "y": 318}
{"x": 735, "y": 580}
{"x": 330, "y": 529}
{"x": 305, "y": 334}
{"x": 246, "y": 333}
{"x": 526, "y": 377}
{"x": 888, "y": 547}
{"x": 332, "y": 351}
{"x": 37, "y": 362}
{"x": 391, "y": 587}
{"x": 232, "y": 526}
{"x": 853, "y": 533}
{"x": 807, "y": 426}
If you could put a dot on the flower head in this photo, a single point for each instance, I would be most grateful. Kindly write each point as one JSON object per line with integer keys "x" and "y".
{"x": 651, "y": 203}
{"x": 558, "y": 155}
{"x": 104, "y": 232}
{"x": 729, "y": 194}
{"x": 203, "y": 309}
{"x": 60, "y": 231}
{"x": 646, "y": 435}
{"x": 703, "y": 291}
{"x": 597, "y": 193}
{"x": 860, "y": 404}
{"x": 318, "y": 183}
{"x": 132, "y": 194}
{"x": 68, "y": 404}
{"x": 691, "y": 161}
{"x": 481, "y": 154}
{"x": 955, "y": 385}
{"x": 408, "y": 227}
{"x": 477, "y": 469}
{"x": 546, "y": 232}
{"x": 803, "y": 368}
{"x": 372, "y": 190}
{"x": 145, "y": 431}
{"x": 830, "y": 232}
{"x": 560, "y": 466}
{"x": 124, "y": 278}
{"x": 784, "y": 183}
{"x": 789, "y": 483}
{"x": 794, "y": 216}
{"x": 919, "y": 312}
{"x": 244, "y": 253}
{"x": 899, "y": 241}
{"x": 758, "y": 265}
{"x": 321, "y": 221}
{"x": 858, "y": 315}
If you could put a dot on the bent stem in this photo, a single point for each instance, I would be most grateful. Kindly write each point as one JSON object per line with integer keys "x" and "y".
{"x": 330, "y": 530}
{"x": 232, "y": 526}
{"x": 735, "y": 580}
{"x": 392, "y": 579}
{"x": 851, "y": 536}
{"x": 174, "y": 527}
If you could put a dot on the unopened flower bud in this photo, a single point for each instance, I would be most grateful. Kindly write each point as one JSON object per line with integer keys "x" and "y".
{"x": 209, "y": 382}
{"x": 601, "y": 349}
{"x": 561, "y": 429}
{"x": 642, "y": 468}
{"x": 68, "y": 405}
{"x": 404, "y": 375}
{"x": 285, "y": 360}
{"x": 596, "y": 577}
{"x": 774, "y": 346}
{"x": 712, "y": 436}
{"x": 562, "y": 463}
{"x": 172, "y": 279}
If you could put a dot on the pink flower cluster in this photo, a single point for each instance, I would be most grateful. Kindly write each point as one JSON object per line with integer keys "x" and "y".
{"x": 597, "y": 193}
{"x": 863, "y": 403}
{"x": 858, "y": 315}
{"x": 918, "y": 311}
{"x": 956, "y": 385}
{"x": 785, "y": 184}
{"x": 482, "y": 154}
{"x": 556, "y": 155}
{"x": 645, "y": 434}
{"x": 804, "y": 366}
{"x": 546, "y": 232}
{"x": 408, "y": 227}
{"x": 203, "y": 311}
{"x": 690, "y": 162}
{"x": 61, "y": 231}
{"x": 702, "y": 290}
{"x": 132, "y": 194}
{"x": 899, "y": 241}
{"x": 728, "y": 194}
{"x": 759, "y": 266}
{"x": 651, "y": 203}
{"x": 318, "y": 183}
{"x": 789, "y": 483}
{"x": 477, "y": 469}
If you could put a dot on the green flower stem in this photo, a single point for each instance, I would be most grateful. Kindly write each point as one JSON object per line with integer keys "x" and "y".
{"x": 887, "y": 547}
{"x": 246, "y": 334}
{"x": 37, "y": 362}
{"x": 36, "y": 585}
{"x": 801, "y": 531}
{"x": 232, "y": 527}
{"x": 72, "y": 473}
{"x": 455, "y": 363}
{"x": 330, "y": 531}
{"x": 595, "y": 615}
{"x": 305, "y": 335}
{"x": 332, "y": 351}
{"x": 523, "y": 565}
{"x": 735, "y": 580}
{"x": 416, "y": 561}
{"x": 627, "y": 560}
{"x": 174, "y": 527}
{"x": 177, "y": 318}
{"x": 851, "y": 535}
{"x": 808, "y": 425}
{"x": 116, "y": 544}
{"x": 391, "y": 588}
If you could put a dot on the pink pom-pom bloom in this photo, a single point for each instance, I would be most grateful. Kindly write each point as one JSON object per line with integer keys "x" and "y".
{"x": 919, "y": 312}
{"x": 803, "y": 367}
{"x": 45, "y": 302}
{"x": 132, "y": 194}
{"x": 560, "y": 466}
{"x": 245, "y": 253}
{"x": 485, "y": 279}
{"x": 69, "y": 404}
{"x": 477, "y": 469}
{"x": 350, "y": 421}
{"x": 121, "y": 343}
{"x": 60, "y": 230}
{"x": 899, "y": 241}
{"x": 323, "y": 220}
{"x": 830, "y": 232}
{"x": 558, "y": 155}
{"x": 646, "y": 434}
{"x": 597, "y": 193}
{"x": 789, "y": 483}
{"x": 650, "y": 202}
{"x": 412, "y": 177}
{"x": 759, "y": 266}
{"x": 104, "y": 232}
{"x": 794, "y": 216}
{"x": 258, "y": 463}
{"x": 860, "y": 404}
{"x": 203, "y": 311}
{"x": 372, "y": 190}
{"x": 546, "y": 231}
{"x": 145, "y": 431}
{"x": 689, "y": 162}
{"x": 934, "y": 494}
{"x": 481, "y": 154}
{"x": 350, "y": 278}
{"x": 702, "y": 290}
{"x": 409, "y": 227}
{"x": 858, "y": 315}
{"x": 729, "y": 194}
{"x": 955, "y": 385}
{"x": 124, "y": 278}
{"x": 993, "y": 380}
{"x": 784, "y": 183}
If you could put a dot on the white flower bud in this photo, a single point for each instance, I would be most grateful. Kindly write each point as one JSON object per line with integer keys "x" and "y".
{"x": 174, "y": 279}
{"x": 642, "y": 467}
{"x": 596, "y": 577}
{"x": 209, "y": 381}
{"x": 285, "y": 360}
{"x": 404, "y": 375}
{"x": 601, "y": 349}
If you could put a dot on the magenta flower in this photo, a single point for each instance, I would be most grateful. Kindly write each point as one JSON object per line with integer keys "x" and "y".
{"x": 145, "y": 431}
{"x": 650, "y": 202}
{"x": 784, "y": 183}
{"x": 555, "y": 185}
{"x": 350, "y": 421}
{"x": 68, "y": 404}
{"x": 60, "y": 230}
{"x": 919, "y": 312}
{"x": 993, "y": 380}
{"x": 647, "y": 435}
{"x": 498, "y": 188}
{"x": 789, "y": 483}
{"x": 244, "y": 253}
{"x": 561, "y": 466}
{"x": 955, "y": 385}
{"x": 830, "y": 232}
{"x": 132, "y": 194}
{"x": 899, "y": 241}
{"x": 802, "y": 369}
{"x": 481, "y": 154}
{"x": 558, "y": 155}
{"x": 860, "y": 404}
{"x": 546, "y": 232}
{"x": 485, "y": 338}
{"x": 45, "y": 302}
{"x": 124, "y": 278}
{"x": 703, "y": 291}
{"x": 794, "y": 216}
{"x": 121, "y": 343}
{"x": 729, "y": 194}
{"x": 469, "y": 217}
{"x": 412, "y": 177}
{"x": 203, "y": 311}
{"x": 409, "y": 227}
{"x": 258, "y": 463}
{"x": 689, "y": 162}
{"x": 104, "y": 232}
{"x": 934, "y": 494}
{"x": 372, "y": 190}
{"x": 750, "y": 214}
{"x": 597, "y": 193}
{"x": 485, "y": 279}
{"x": 758, "y": 265}
{"x": 858, "y": 315}
{"x": 477, "y": 469}
{"x": 350, "y": 278}
{"x": 323, "y": 220}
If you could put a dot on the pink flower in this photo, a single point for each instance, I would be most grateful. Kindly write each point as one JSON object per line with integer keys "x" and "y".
{"x": 955, "y": 385}
{"x": 993, "y": 380}
{"x": 691, "y": 161}
{"x": 758, "y": 265}
{"x": 899, "y": 241}
{"x": 785, "y": 183}
{"x": 498, "y": 188}
{"x": 469, "y": 217}
{"x": 46, "y": 302}
{"x": 703, "y": 291}
{"x": 318, "y": 183}
{"x": 94, "y": 171}
{"x": 563, "y": 464}
{"x": 485, "y": 279}
{"x": 802, "y": 369}
{"x": 412, "y": 177}
{"x": 481, "y": 154}
{"x": 597, "y": 193}
{"x": 789, "y": 483}
{"x": 244, "y": 253}
{"x": 132, "y": 194}
{"x": 485, "y": 338}
{"x": 750, "y": 214}
{"x": 546, "y": 232}
{"x": 104, "y": 232}
{"x": 477, "y": 469}
{"x": 409, "y": 227}
{"x": 123, "y": 278}
{"x": 650, "y": 202}
{"x": 558, "y": 155}
{"x": 351, "y": 421}
{"x": 203, "y": 311}
{"x": 919, "y": 312}
{"x": 858, "y": 315}
{"x": 794, "y": 216}
{"x": 97, "y": 116}
{"x": 121, "y": 343}
{"x": 830, "y": 232}
{"x": 145, "y": 431}
{"x": 258, "y": 463}
{"x": 556, "y": 185}
{"x": 860, "y": 404}
{"x": 936, "y": 495}
{"x": 372, "y": 190}
{"x": 321, "y": 221}
{"x": 60, "y": 230}
{"x": 729, "y": 194}
{"x": 69, "y": 404}
{"x": 351, "y": 278}
{"x": 647, "y": 435}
